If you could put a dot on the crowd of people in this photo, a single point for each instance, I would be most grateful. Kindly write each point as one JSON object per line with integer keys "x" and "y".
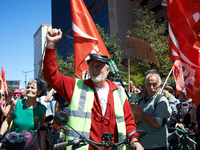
{"x": 96, "y": 106}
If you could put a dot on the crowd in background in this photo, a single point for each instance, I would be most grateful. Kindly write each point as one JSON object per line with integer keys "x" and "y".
{"x": 185, "y": 113}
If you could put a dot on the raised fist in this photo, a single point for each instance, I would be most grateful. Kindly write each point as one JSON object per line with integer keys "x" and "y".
{"x": 53, "y": 36}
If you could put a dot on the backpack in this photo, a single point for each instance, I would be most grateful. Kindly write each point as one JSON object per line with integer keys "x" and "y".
{"x": 184, "y": 109}
{"x": 173, "y": 119}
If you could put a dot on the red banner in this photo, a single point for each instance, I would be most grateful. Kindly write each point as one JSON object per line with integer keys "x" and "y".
{"x": 4, "y": 80}
{"x": 86, "y": 37}
{"x": 178, "y": 73}
{"x": 184, "y": 42}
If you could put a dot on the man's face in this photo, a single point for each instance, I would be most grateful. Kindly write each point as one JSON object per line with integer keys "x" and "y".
{"x": 23, "y": 92}
{"x": 152, "y": 85}
{"x": 98, "y": 70}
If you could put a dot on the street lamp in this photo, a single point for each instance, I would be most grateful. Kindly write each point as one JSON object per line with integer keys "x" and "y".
{"x": 25, "y": 76}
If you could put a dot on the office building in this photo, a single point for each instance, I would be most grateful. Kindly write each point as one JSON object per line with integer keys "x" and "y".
{"x": 39, "y": 47}
{"x": 15, "y": 84}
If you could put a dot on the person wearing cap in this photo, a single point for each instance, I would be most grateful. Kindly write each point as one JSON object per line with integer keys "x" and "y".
{"x": 95, "y": 106}
{"x": 16, "y": 94}
{"x": 27, "y": 114}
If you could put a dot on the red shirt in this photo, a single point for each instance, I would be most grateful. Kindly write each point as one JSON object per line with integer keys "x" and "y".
{"x": 65, "y": 86}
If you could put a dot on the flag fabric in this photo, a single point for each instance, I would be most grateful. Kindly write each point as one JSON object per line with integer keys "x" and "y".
{"x": 86, "y": 37}
{"x": 178, "y": 74}
{"x": 140, "y": 49}
{"x": 4, "y": 80}
{"x": 184, "y": 42}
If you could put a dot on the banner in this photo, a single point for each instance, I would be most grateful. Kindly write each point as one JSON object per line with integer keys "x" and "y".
{"x": 86, "y": 37}
{"x": 184, "y": 42}
{"x": 178, "y": 74}
{"x": 4, "y": 80}
{"x": 140, "y": 49}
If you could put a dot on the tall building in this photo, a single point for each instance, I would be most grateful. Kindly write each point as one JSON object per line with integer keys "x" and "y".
{"x": 112, "y": 15}
{"x": 39, "y": 45}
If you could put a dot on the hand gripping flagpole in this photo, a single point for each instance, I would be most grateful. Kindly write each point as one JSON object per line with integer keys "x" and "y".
{"x": 115, "y": 71}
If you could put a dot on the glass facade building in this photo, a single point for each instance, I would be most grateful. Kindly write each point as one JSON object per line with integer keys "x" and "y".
{"x": 61, "y": 18}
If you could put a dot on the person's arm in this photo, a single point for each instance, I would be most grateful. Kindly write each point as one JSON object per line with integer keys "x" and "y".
{"x": 49, "y": 96}
{"x": 43, "y": 133}
{"x": 131, "y": 126}
{"x": 5, "y": 110}
{"x": 8, "y": 119}
{"x": 143, "y": 115}
{"x": 2, "y": 86}
{"x": 64, "y": 85}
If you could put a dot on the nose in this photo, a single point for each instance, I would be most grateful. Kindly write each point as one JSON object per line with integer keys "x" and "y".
{"x": 151, "y": 86}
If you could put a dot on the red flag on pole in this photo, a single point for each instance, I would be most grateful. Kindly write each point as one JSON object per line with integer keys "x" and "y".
{"x": 86, "y": 37}
{"x": 4, "y": 80}
{"x": 184, "y": 42}
{"x": 178, "y": 73}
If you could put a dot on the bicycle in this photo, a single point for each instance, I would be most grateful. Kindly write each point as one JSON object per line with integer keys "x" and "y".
{"x": 183, "y": 141}
{"x": 106, "y": 139}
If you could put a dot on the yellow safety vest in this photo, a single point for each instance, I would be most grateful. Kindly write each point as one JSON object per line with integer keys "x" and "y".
{"x": 80, "y": 109}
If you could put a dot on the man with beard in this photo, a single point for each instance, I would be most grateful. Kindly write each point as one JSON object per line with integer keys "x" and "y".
{"x": 153, "y": 118}
{"x": 96, "y": 105}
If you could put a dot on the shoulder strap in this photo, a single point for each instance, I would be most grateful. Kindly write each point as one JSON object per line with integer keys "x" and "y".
{"x": 140, "y": 100}
{"x": 156, "y": 100}
{"x": 166, "y": 93}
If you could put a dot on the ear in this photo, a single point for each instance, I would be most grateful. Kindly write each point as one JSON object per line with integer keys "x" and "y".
{"x": 108, "y": 70}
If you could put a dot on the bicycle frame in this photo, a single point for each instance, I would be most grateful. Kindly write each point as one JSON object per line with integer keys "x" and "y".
{"x": 185, "y": 138}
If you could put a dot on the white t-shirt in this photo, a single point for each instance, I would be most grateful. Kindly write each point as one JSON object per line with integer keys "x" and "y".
{"x": 103, "y": 96}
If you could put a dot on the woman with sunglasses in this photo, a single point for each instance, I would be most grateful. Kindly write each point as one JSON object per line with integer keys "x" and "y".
{"x": 5, "y": 105}
{"x": 27, "y": 114}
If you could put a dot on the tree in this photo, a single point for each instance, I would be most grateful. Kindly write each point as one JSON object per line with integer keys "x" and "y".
{"x": 153, "y": 32}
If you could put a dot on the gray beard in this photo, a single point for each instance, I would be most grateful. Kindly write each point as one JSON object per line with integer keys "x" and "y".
{"x": 99, "y": 79}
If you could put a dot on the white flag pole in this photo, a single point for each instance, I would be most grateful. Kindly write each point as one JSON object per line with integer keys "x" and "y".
{"x": 166, "y": 80}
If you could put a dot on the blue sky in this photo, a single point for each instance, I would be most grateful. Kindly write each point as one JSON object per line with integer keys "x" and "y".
{"x": 20, "y": 19}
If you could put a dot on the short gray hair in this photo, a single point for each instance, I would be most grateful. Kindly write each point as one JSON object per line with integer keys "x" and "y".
{"x": 41, "y": 85}
{"x": 153, "y": 74}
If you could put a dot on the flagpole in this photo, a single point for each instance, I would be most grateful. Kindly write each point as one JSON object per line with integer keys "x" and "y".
{"x": 129, "y": 73}
{"x": 166, "y": 79}
{"x": 115, "y": 71}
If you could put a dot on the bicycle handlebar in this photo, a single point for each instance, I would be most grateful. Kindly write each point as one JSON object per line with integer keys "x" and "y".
{"x": 76, "y": 142}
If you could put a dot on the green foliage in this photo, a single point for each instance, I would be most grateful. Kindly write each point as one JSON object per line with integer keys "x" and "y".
{"x": 153, "y": 32}
{"x": 113, "y": 46}
{"x": 138, "y": 80}
{"x": 65, "y": 67}
{"x": 10, "y": 87}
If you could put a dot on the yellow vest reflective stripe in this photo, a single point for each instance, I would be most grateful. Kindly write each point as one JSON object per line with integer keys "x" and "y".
{"x": 80, "y": 110}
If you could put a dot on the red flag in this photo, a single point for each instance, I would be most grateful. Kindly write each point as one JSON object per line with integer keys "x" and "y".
{"x": 4, "y": 80}
{"x": 178, "y": 73}
{"x": 184, "y": 39}
{"x": 86, "y": 37}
